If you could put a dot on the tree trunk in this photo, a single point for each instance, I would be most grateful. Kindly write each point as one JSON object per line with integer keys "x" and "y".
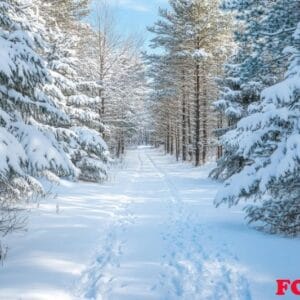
{"x": 118, "y": 152}
{"x": 197, "y": 116}
{"x": 172, "y": 142}
{"x": 220, "y": 126}
{"x": 168, "y": 138}
{"x": 123, "y": 143}
{"x": 190, "y": 151}
{"x": 166, "y": 144}
{"x": 178, "y": 142}
{"x": 204, "y": 122}
{"x": 184, "y": 137}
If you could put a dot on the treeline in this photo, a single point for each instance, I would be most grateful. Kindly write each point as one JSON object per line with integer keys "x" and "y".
{"x": 226, "y": 84}
{"x": 192, "y": 40}
{"x": 69, "y": 97}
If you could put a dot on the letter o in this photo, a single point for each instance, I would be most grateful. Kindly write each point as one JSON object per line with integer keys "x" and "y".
{"x": 294, "y": 287}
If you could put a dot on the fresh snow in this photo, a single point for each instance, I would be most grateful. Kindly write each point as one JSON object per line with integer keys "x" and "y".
{"x": 151, "y": 232}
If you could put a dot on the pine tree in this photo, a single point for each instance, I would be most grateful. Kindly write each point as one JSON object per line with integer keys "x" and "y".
{"x": 268, "y": 140}
{"x": 28, "y": 116}
{"x": 191, "y": 35}
{"x": 264, "y": 31}
{"x": 76, "y": 91}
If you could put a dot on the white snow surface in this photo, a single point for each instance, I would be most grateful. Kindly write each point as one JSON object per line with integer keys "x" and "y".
{"x": 151, "y": 232}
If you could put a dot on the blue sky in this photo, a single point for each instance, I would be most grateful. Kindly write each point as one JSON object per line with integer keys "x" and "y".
{"x": 133, "y": 16}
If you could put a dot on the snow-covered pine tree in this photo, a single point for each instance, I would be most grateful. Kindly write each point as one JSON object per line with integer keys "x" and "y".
{"x": 232, "y": 106}
{"x": 33, "y": 113}
{"x": 76, "y": 91}
{"x": 238, "y": 88}
{"x": 269, "y": 141}
{"x": 28, "y": 117}
{"x": 264, "y": 31}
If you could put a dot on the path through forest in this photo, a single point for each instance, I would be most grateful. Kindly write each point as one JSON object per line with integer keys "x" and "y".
{"x": 159, "y": 248}
{"x": 152, "y": 232}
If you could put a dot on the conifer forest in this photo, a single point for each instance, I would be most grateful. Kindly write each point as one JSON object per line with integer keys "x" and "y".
{"x": 149, "y": 149}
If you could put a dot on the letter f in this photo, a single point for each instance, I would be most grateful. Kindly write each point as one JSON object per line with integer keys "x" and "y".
{"x": 282, "y": 286}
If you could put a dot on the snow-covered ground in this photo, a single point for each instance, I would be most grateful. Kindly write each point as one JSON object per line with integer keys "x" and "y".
{"x": 151, "y": 232}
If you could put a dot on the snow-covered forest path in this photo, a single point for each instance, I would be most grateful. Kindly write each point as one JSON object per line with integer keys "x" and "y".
{"x": 151, "y": 232}
{"x": 158, "y": 248}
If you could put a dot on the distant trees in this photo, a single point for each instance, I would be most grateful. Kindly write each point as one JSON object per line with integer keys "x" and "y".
{"x": 120, "y": 70}
{"x": 124, "y": 109}
{"x": 193, "y": 38}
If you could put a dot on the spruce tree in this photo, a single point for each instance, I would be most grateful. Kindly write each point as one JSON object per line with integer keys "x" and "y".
{"x": 268, "y": 140}
{"x": 29, "y": 118}
{"x": 264, "y": 31}
{"x": 76, "y": 91}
